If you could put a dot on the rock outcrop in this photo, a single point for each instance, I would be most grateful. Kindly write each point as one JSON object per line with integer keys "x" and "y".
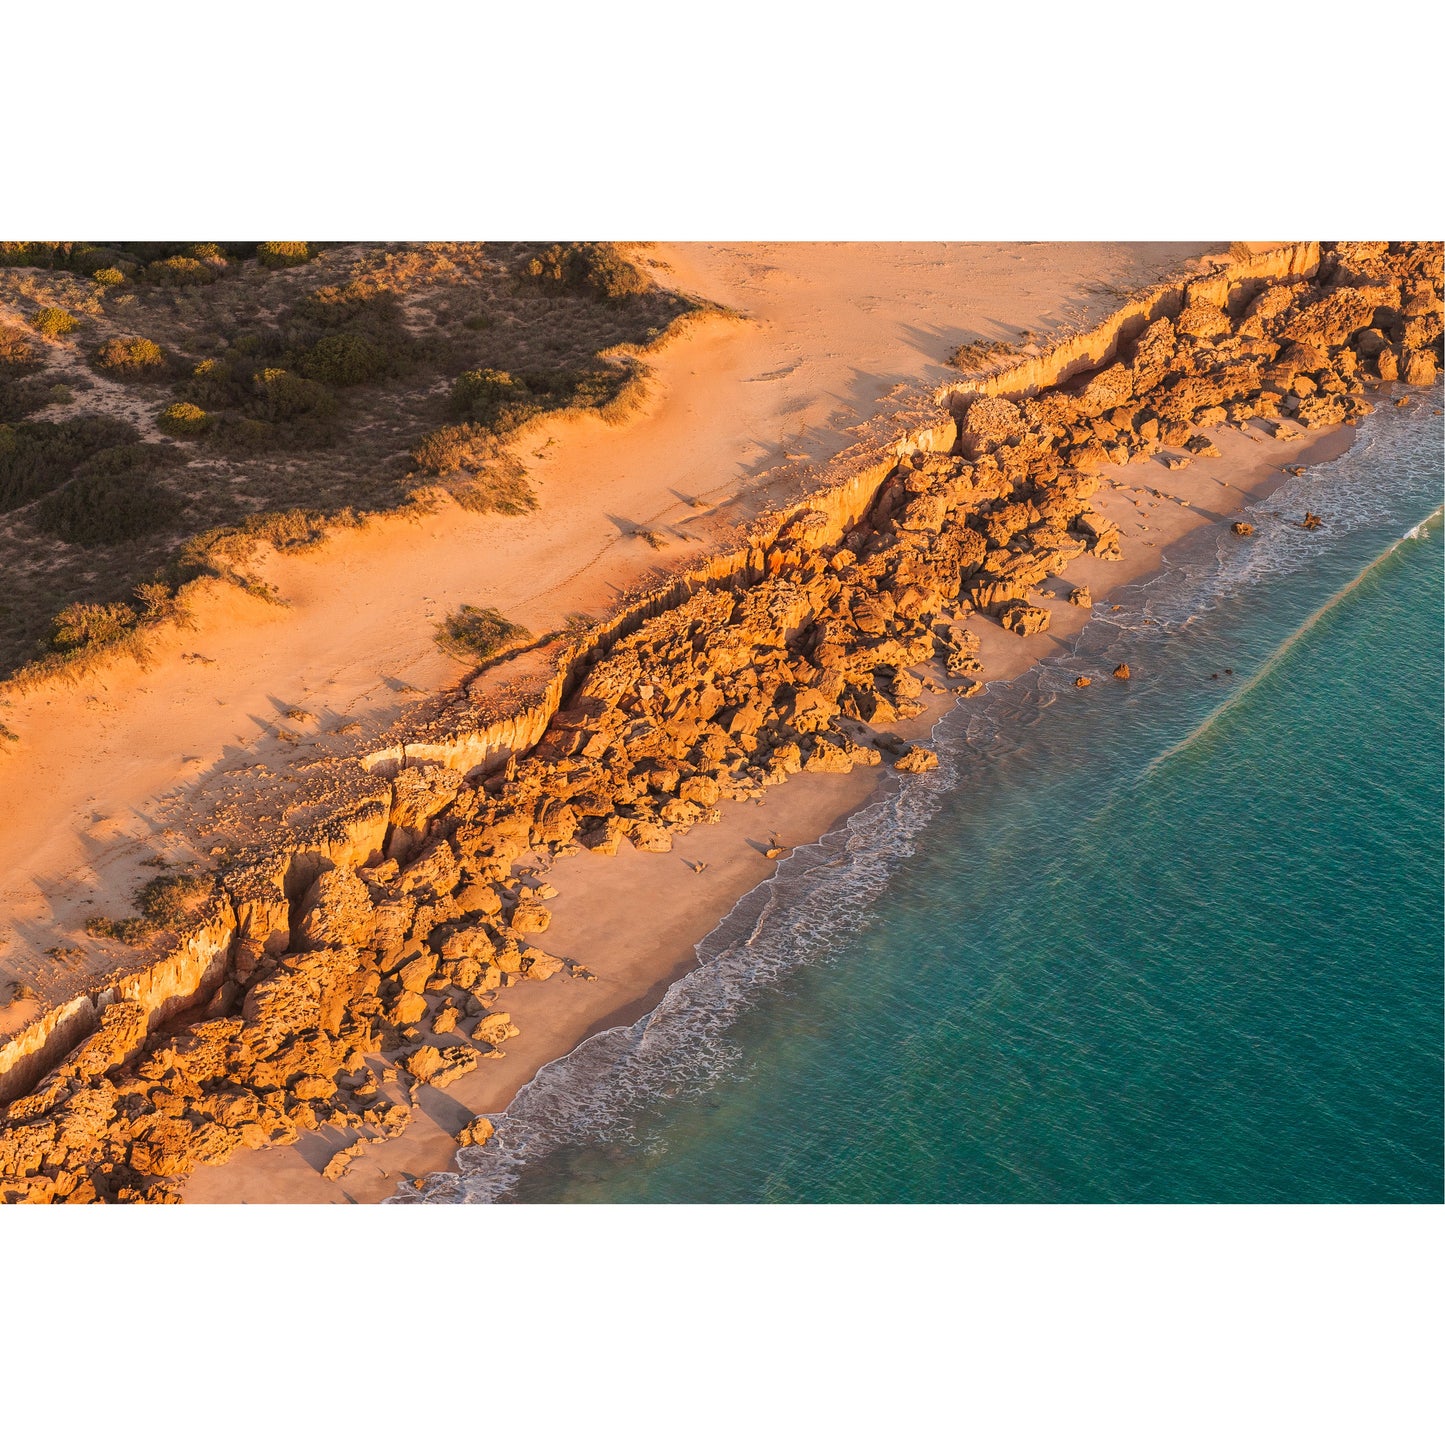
{"x": 378, "y": 939}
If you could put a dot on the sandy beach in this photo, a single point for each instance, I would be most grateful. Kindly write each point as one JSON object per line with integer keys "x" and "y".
{"x": 607, "y": 915}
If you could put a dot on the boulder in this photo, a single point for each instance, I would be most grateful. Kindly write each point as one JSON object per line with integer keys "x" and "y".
{"x": 337, "y": 910}
{"x": 476, "y": 1133}
{"x": 989, "y": 423}
{"x": 917, "y": 760}
{"x": 1025, "y": 620}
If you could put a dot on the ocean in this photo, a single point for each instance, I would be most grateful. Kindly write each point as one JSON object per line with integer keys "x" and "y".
{"x": 1176, "y": 939}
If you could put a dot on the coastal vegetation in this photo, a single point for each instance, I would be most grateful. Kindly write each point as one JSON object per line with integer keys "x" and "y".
{"x": 478, "y": 633}
{"x": 373, "y": 942}
{"x": 252, "y": 380}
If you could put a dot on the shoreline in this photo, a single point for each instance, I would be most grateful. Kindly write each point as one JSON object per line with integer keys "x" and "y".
{"x": 635, "y": 962}
{"x": 309, "y": 1023}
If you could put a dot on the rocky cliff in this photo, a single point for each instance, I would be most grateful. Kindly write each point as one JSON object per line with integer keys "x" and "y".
{"x": 376, "y": 940}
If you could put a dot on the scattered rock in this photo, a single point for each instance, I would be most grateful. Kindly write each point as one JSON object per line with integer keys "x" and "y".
{"x": 1122, "y": 672}
{"x": 1242, "y": 529}
{"x": 1081, "y": 597}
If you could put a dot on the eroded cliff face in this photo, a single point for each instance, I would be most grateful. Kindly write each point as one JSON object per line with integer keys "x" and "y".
{"x": 327, "y": 962}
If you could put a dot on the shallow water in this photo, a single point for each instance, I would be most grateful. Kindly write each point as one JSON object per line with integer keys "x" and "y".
{"x": 1172, "y": 940}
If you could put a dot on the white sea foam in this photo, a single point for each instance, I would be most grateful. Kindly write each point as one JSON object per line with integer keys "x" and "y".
{"x": 823, "y": 893}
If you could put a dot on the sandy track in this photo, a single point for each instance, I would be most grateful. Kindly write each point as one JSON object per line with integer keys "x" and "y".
{"x": 133, "y": 761}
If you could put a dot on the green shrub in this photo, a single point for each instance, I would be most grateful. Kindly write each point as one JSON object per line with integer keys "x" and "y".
{"x": 598, "y": 268}
{"x": 494, "y": 399}
{"x": 111, "y": 498}
{"x": 183, "y": 419}
{"x": 52, "y": 321}
{"x": 281, "y": 395}
{"x": 131, "y": 931}
{"x": 206, "y": 251}
{"x": 276, "y": 254}
{"x": 349, "y": 334}
{"x": 130, "y": 356}
{"x": 37, "y": 457}
{"x": 170, "y": 901}
{"x": 345, "y": 359}
{"x": 179, "y": 271}
{"x": 109, "y": 276}
{"x": 217, "y": 384}
{"x": 89, "y": 624}
{"x": 478, "y": 633}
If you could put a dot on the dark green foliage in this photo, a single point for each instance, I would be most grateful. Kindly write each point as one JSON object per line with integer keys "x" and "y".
{"x": 346, "y": 358}
{"x": 111, "y": 498}
{"x": 216, "y": 384}
{"x": 478, "y": 633}
{"x": 598, "y": 268}
{"x": 37, "y": 457}
{"x": 20, "y": 359}
{"x": 281, "y": 395}
{"x": 496, "y": 400}
{"x": 169, "y": 901}
{"x": 347, "y": 335}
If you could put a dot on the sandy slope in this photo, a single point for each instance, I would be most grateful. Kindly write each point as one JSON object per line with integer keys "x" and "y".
{"x": 132, "y": 761}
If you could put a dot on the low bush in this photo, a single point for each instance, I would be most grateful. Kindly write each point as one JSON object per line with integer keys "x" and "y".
{"x": 477, "y": 633}
{"x": 171, "y": 901}
{"x": 109, "y": 276}
{"x": 453, "y": 448}
{"x": 52, "y": 321}
{"x": 89, "y": 624}
{"x": 17, "y": 347}
{"x": 276, "y": 254}
{"x": 179, "y": 271}
{"x": 345, "y": 358}
{"x": 37, "y": 457}
{"x": 496, "y": 400}
{"x": 216, "y": 384}
{"x": 598, "y": 268}
{"x": 183, "y": 419}
{"x": 281, "y": 395}
{"x": 111, "y": 498}
{"x": 133, "y": 356}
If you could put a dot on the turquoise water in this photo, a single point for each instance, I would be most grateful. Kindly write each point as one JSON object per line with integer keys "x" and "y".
{"x": 1173, "y": 940}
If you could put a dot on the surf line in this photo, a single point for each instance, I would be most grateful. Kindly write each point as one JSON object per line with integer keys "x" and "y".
{"x": 1278, "y": 655}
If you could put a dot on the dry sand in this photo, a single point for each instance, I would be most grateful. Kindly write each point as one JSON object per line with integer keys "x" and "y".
{"x": 135, "y": 762}
{"x": 635, "y": 920}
